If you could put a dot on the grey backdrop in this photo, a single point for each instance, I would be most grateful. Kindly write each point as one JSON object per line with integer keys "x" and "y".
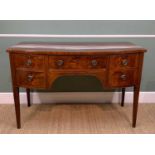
{"x": 78, "y": 27}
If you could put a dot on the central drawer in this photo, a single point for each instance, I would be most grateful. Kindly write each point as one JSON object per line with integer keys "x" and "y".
{"x": 77, "y": 62}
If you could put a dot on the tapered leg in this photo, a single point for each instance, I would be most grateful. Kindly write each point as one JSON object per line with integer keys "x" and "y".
{"x": 17, "y": 105}
{"x": 123, "y": 96}
{"x": 28, "y": 97}
{"x": 135, "y": 105}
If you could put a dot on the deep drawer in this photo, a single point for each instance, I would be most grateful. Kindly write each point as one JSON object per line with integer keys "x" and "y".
{"x": 121, "y": 78}
{"x": 30, "y": 79}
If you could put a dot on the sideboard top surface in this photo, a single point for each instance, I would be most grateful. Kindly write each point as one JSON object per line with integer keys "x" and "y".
{"x": 74, "y": 48}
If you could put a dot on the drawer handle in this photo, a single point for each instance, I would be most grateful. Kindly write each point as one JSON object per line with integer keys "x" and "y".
{"x": 30, "y": 78}
{"x": 94, "y": 63}
{"x": 123, "y": 77}
{"x": 125, "y": 62}
{"x": 60, "y": 62}
{"x": 29, "y": 62}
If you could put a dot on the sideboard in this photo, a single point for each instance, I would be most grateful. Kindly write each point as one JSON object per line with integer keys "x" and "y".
{"x": 36, "y": 65}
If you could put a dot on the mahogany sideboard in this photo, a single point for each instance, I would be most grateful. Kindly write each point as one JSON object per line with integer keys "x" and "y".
{"x": 38, "y": 64}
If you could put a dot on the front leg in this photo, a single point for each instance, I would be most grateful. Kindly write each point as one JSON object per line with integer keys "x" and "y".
{"x": 135, "y": 105}
{"x": 17, "y": 106}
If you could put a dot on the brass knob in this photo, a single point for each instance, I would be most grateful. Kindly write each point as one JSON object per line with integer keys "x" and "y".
{"x": 60, "y": 62}
{"x": 29, "y": 62}
{"x": 94, "y": 63}
{"x": 123, "y": 77}
{"x": 30, "y": 77}
{"x": 124, "y": 62}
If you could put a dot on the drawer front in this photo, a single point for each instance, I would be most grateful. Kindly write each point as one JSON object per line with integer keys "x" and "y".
{"x": 29, "y": 61}
{"x": 123, "y": 61}
{"x": 121, "y": 78}
{"x": 30, "y": 79}
{"x": 77, "y": 62}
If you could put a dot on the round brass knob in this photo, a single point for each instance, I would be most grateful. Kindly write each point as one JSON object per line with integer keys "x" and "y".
{"x": 123, "y": 77}
{"x": 30, "y": 77}
{"x": 60, "y": 62}
{"x": 124, "y": 62}
{"x": 94, "y": 63}
{"x": 29, "y": 62}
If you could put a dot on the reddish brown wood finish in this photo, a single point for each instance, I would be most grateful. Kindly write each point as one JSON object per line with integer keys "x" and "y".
{"x": 123, "y": 61}
{"x": 32, "y": 62}
{"x": 17, "y": 105}
{"x": 77, "y": 62}
{"x": 121, "y": 78}
{"x": 30, "y": 79}
{"x": 38, "y": 65}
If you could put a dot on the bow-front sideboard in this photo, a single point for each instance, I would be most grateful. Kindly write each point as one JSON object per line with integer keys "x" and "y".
{"x": 36, "y": 65}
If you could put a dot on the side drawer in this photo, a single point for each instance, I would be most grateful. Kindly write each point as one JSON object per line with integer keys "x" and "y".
{"x": 30, "y": 79}
{"x": 121, "y": 78}
{"x": 30, "y": 61}
{"x": 123, "y": 61}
